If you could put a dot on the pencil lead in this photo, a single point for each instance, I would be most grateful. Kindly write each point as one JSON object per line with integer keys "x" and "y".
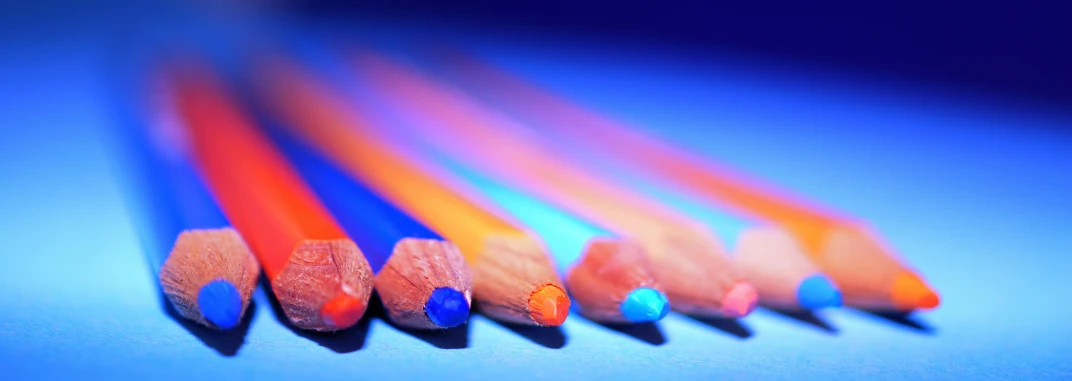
{"x": 342, "y": 311}
{"x": 220, "y": 303}
{"x": 645, "y": 304}
{"x": 910, "y": 292}
{"x": 549, "y": 306}
{"x": 817, "y": 292}
{"x": 740, "y": 301}
{"x": 447, "y": 307}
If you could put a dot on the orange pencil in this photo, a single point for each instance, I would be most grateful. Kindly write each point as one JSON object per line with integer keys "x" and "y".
{"x": 689, "y": 261}
{"x": 319, "y": 276}
{"x": 513, "y": 278}
{"x": 866, "y": 270}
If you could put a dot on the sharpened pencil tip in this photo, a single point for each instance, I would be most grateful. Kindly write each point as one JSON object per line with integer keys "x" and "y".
{"x": 549, "y": 306}
{"x": 909, "y": 292}
{"x": 342, "y": 311}
{"x": 740, "y": 301}
{"x": 644, "y": 305}
{"x": 447, "y": 307}
{"x": 817, "y": 292}
{"x": 220, "y": 303}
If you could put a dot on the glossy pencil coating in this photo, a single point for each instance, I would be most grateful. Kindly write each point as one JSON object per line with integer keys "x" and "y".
{"x": 205, "y": 269}
{"x": 867, "y": 272}
{"x": 688, "y": 261}
{"x": 513, "y": 279}
{"x": 318, "y": 275}
{"x": 422, "y": 279}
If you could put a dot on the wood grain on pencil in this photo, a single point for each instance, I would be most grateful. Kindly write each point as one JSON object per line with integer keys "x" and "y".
{"x": 318, "y": 275}
{"x": 513, "y": 279}
{"x": 210, "y": 269}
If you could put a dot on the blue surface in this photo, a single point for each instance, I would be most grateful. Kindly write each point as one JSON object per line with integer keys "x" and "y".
{"x": 974, "y": 194}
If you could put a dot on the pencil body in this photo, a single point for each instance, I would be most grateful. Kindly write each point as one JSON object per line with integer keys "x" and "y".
{"x": 784, "y": 276}
{"x": 513, "y": 279}
{"x": 205, "y": 269}
{"x": 319, "y": 276}
{"x": 689, "y": 263}
{"x": 868, "y": 273}
{"x": 422, "y": 279}
{"x": 610, "y": 279}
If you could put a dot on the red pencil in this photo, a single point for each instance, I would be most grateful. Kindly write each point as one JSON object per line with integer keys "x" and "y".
{"x": 319, "y": 276}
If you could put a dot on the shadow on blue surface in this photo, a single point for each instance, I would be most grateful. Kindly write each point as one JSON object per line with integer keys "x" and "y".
{"x": 548, "y": 337}
{"x": 806, "y": 317}
{"x": 901, "y": 319}
{"x": 646, "y": 332}
{"x": 344, "y": 341}
{"x": 731, "y": 326}
{"x": 226, "y": 342}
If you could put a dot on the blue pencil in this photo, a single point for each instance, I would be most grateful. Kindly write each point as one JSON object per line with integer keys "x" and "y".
{"x": 205, "y": 269}
{"x": 421, "y": 278}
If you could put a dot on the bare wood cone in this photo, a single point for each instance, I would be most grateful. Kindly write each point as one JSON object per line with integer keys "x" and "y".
{"x": 415, "y": 269}
{"x": 507, "y": 273}
{"x": 319, "y": 271}
{"x": 208, "y": 254}
{"x": 606, "y": 274}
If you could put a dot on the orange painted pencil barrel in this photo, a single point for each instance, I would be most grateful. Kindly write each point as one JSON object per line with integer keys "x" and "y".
{"x": 319, "y": 276}
{"x": 513, "y": 278}
{"x": 866, "y": 270}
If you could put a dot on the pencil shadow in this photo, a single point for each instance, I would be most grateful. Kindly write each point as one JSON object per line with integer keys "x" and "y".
{"x": 343, "y": 341}
{"x": 733, "y": 327}
{"x": 450, "y": 338}
{"x": 646, "y": 332}
{"x": 548, "y": 337}
{"x": 904, "y": 320}
{"x": 226, "y": 343}
{"x": 806, "y": 317}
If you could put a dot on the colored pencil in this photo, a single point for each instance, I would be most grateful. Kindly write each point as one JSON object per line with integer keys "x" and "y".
{"x": 513, "y": 279}
{"x": 687, "y": 259}
{"x": 422, "y": 279}
{"x": 205, "y": 269}
{"x": 319, "y": 276}
{"x": 609, "y": 279}
{"x": 767, "y": 255}
{"x": 869, "y": 274}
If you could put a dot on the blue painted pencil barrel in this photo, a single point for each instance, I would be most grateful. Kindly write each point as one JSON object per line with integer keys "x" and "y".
{"x": 171, "y": 197}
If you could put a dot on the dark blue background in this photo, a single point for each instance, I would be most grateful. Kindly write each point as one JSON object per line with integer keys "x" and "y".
{"x": 992, "y": 48}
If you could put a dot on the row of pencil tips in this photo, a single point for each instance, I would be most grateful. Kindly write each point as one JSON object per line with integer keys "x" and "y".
{"x": 445, "y": 183}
